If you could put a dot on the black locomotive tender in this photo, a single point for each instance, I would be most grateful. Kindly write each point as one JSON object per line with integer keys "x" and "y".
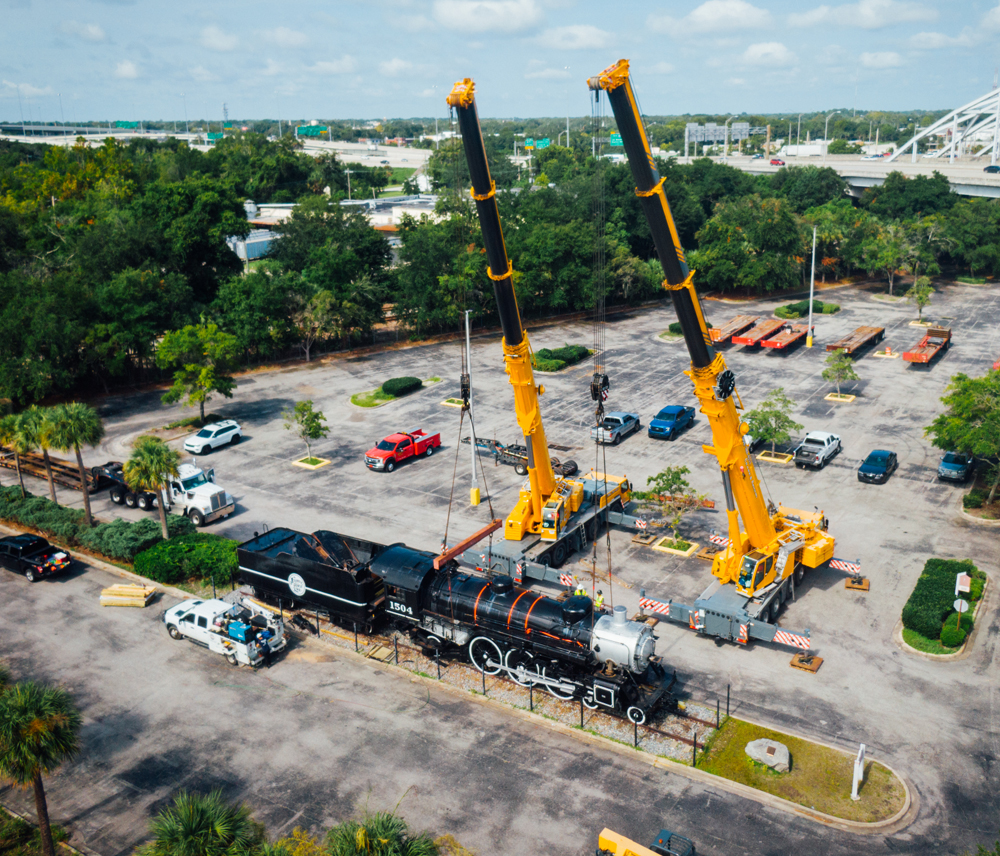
{"x": 608, "y": 661}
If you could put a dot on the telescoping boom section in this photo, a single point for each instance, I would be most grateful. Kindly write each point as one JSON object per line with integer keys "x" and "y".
{"x": 545, "y": 505}
{"x": 764, "y": 547}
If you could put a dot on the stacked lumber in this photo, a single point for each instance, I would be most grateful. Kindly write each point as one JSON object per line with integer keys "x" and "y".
{"x": 127, "y": 595}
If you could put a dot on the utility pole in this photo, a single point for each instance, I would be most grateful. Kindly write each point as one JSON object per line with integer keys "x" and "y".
{"x": 725, "y": 155}
{"x": 467, "y": 379}
{"x": 798, "y": 138}
{"x": 826, "y": 138}
{"x": 348, "y": 173}
{"x": 24, "y": 133}
{"x": 567, "y": 129}
{"x": 812, "y": 286}
{"x": 184, "y": 99}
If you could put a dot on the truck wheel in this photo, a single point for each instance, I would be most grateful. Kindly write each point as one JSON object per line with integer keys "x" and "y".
{"x": 117, "y": 495}
{"x": 617, "y": 440}
{"x": 196, "y": 518}
{"x": 520, "y": 469}
{"x": 390, "y": 466}
{"x": 430, "y": 451}
{"x": 174, "y": 632}
{"x": 231, "y": 658}
{"x": 30, "y": 575}
{"x": 236, "y": 439}
{"x": 130, "y": 499}
{"x": 557, "y": 555}
{"x": 143, "y": 501}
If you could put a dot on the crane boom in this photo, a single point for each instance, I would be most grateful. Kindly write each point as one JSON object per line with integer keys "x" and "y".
{"x": 527, "y": 516}
{"x": 765, "y": 535}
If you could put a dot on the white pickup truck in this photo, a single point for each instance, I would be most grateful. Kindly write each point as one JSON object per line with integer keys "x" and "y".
{"x": 244, "y": 635}
{"x": 817, "y": 449}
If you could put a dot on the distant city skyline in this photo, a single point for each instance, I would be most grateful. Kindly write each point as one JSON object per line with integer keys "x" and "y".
{"x": 138, "y": 60}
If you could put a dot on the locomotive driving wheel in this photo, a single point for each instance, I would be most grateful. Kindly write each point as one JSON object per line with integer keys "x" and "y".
{"x": 588, "y": 699}
{"x": 558, "y": 691}
{"x": 485, "y": 655}
{"x": 521, "y": 666}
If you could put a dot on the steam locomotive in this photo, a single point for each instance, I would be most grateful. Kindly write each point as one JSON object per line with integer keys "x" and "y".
{"x": 606, "y": 661}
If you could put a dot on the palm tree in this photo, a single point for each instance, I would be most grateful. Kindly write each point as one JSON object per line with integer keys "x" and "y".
{"x": 39, "y": 729}
{"x": 204, "y": 825}
{"x": 14, "y": 435}
{"x": 381, "y": 834}
{"x": 150, "y": 467}
{"x": 75, "y": 425}
{"x": 37, "y": 426}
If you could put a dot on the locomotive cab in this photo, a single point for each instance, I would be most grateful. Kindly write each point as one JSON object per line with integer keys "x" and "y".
{"x": 406, "y": 574}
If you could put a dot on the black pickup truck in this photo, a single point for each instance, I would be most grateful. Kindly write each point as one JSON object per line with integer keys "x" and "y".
{"x": 32, "y": 556}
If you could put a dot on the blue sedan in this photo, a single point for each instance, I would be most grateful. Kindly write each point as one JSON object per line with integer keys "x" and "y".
{"x": 877, "y": 467}
{"x": 670, "y": 421}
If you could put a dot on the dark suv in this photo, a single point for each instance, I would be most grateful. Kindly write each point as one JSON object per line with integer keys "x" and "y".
{"x": 956, "y": 467}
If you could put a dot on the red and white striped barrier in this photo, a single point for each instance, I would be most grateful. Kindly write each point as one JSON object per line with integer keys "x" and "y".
{"x": 718, "y": 539}
{"x": 794, "y": 639}
{"x": 742, "y": 638}
{"x": 844, "y": 565}
{"x": 641, "y": 525}
{"x": 565, "y": 579}
{"x": 655, "y": 606}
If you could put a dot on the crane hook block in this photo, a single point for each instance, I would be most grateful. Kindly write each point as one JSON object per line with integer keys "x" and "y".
{"x": 466, "y": 389}
{"x": 599, "y": 386}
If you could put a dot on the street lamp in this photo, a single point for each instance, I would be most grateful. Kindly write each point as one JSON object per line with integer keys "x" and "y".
{"x": 826, "y": 139}
{"x": 798, "y": 138}
{"x": 726, "y": 157}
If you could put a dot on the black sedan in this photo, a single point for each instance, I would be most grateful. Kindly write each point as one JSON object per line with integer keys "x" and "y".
{"x": 877, "y": 467}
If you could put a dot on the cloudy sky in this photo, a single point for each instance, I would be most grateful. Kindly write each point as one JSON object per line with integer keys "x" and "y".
{"x": 138, "y": 59}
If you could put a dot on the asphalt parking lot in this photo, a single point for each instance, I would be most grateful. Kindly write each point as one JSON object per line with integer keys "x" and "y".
{"x": 933, "y": 722}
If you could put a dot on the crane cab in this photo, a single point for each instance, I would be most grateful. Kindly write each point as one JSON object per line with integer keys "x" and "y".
{"x": 566, "y": 500}
{"x": 756, "y": 571}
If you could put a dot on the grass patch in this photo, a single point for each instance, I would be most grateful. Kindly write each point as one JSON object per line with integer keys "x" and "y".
{"x": 398, "y": 388}
{"x": 925, "y": 645}
{"x": 433, "y": 380}
{"x": 677, "y": 544}
{"x": 930, "y": 602}
{"x": 372, "y": 398}
{"x": 971, "y": 280}
{"x": 401, "y": 173}
{"x": 310, "y": 461}
{"x": 191, "y": 422}
{"x": 20, "y": 838}
{"x": 820, "y": 777}
{"x": 670, "y": 336}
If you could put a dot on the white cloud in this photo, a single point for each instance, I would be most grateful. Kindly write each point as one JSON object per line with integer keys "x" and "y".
{"x": 714, "y": 16}
{"x": 286, "y": 38}
{"x": 344, "y": 65}
{"x": 883, "y": 59}
{"x": 662, "y": 68}
{"x": 394, "y": 66}
{"x": 736, "y": 81}
{"x": 272, "y": 68}
{"x": 575, "y": 37}
{"x": 202, "y": 74}
{"x": 216, "y": 40}
{"x": 412, "y": 23}
{"x": 27, "y": 89}
{"x": 547, "y": 74}
{"x": 126, "y": 70}
{"x": 487, "y": 16}
{"x": 770, "y": 54}
{"x": 991, "y": 20}
{"x": 429, "y": 92}
{"x": 87, "y": 32}
{"x": 866, "y": 14}
{"x": 934, "y": 41}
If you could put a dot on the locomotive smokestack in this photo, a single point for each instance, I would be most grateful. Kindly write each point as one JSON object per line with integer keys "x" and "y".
{"x": 619, "y": 616}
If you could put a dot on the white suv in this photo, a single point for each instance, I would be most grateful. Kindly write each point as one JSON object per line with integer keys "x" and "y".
{"x": 213, "y": 436}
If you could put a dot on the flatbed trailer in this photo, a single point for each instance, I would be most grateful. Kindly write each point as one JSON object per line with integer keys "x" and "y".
{"x": 760, "y": 331}
{"x": 936, "y": 341}
{"x": 732, "y": 327}
{"x": 516, "y": 456}
{"x": 64, "y": 473}
{"x": 791, "y": 335}
{"x": 860, "y": 338}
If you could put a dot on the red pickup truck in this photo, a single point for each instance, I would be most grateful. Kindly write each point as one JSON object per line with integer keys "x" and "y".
{"x": 396, "y": 448}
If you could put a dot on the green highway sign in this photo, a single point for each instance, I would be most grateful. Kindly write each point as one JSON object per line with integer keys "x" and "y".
{"x": 311, "y": 130}
{"x": 529, "y": 143}
{"x": 616, "y": 139}
{"x": 126, "y": 125}
{"x": 543, "y": 143}
{"x": 214, "y": 135}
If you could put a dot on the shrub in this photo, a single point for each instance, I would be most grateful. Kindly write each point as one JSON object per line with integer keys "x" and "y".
{"x": 952, "y": 636}
{"x": 40, "y": 513}
{"x": 975, "y": 498}
{"x": 400, "y": 386}
{"x": 544, "y": 365}
{"x": 932, "y": 597}
{"x": 199, "y": 555}
{"x": 546, "y": 359}
{"x": 124, "y": 540}
{"x": 676, "y": 328}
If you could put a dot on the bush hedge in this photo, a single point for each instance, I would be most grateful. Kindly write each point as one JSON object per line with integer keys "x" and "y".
{"x": 952, "y": 636}
{"x": 554, "y": 359}
{"x": 544, "y": 365}
{"x": 198, "y": 555}
{"x": 801, "y": 309}
{"x": 676, "y": 328}
{"x": 400, "y": 386}
{"x": 932, "y": 597}
{"x": 975, "y": 498}
{"x": 120, "y": 539}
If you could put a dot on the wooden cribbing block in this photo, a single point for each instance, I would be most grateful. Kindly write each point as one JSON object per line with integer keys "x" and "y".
{"x": 127, "y": 595}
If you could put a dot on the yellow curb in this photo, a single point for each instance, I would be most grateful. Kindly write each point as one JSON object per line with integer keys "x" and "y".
{"x": 322, "y": 463}
{"x": 921, "y": 323}
{"x": 690, "y": 551}
{"x": 894, "y": 355}
{"x": 452, "y": 402}
{"x": 839, "y": 398}
{"x": 776, "y": 457}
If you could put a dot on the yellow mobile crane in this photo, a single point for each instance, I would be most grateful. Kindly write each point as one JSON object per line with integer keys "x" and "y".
{"x": 554, "y": 515}
{"x": 765, "y": 556}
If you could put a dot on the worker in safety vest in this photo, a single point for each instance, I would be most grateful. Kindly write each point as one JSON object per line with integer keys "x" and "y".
{"x": 599, "y": 601}
{"x": 581, "y": 589}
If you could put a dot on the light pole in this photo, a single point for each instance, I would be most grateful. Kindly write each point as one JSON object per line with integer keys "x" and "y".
{"x": 184, "y": 99}
{"x": 826, "y": 139}
{"x": 812, "y": 286}
{"x": 726, "y": 154}
{"x": 798, "y": 138}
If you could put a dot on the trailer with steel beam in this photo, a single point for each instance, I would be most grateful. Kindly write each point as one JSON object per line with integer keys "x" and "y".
{"x": 859, "y": 339}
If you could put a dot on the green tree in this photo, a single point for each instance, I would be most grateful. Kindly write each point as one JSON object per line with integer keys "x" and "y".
{"x": 149, "y": 468}
{"x": 971, "y": 421}
{"x": 308, "y": 423}
{"x": 202, "y": 357}
{"x": 205, "y": 825}
{"x": 920, "y": 293}
{"x": 14, "y": 436}
{"x": 675, "y": 497}
{"x": 256, "y": 309}
{"x": 380, "y": 834}
{"x": 887, "y": 251}
{"x": 314, "y": 319}
{"x": 39, "y": 729}
{"x": 902, "y": 198}
{"x": 807, "y": 187}
{"x": 839, "y": 368}
{"x": 75, "y": 425}
{"x": 37, "y": 426}
{"x": 771, "y": 420}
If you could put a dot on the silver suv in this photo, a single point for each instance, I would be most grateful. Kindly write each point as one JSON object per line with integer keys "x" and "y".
{"x": 213, "y": 436}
